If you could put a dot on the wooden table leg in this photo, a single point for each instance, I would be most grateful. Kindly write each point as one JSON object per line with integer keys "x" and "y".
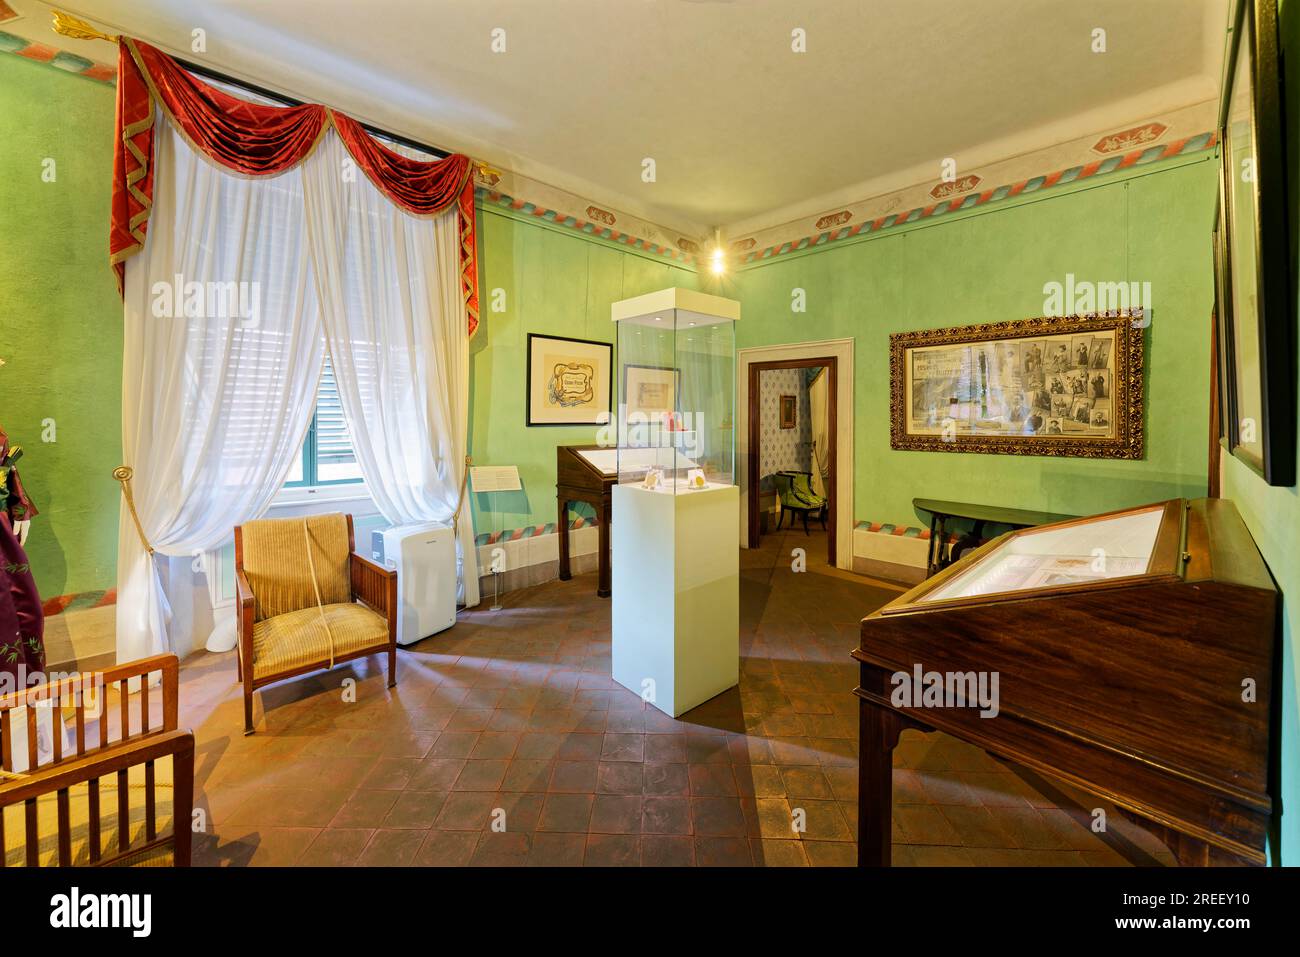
{"x": 602, "y": 581}
{"x": 878, "y": 731}
{"x": 931, "y": 558}
{"x": 562, "y": 527}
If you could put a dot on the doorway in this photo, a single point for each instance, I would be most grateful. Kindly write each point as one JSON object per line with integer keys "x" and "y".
{"x": 809, "y": 407}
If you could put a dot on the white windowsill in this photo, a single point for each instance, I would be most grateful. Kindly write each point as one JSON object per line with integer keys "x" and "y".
{"x": 300, "y": 499}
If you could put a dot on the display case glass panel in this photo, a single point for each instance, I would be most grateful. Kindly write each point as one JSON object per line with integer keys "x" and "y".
{"x": 676, "y": 391}
{"x": 1110, "y": 546}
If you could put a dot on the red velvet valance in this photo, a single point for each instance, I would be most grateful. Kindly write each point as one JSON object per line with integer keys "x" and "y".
{"x": 260, "y": 140}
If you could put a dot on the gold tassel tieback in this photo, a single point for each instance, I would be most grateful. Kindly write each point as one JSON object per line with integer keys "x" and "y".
{"x": 65, "y": 24}
{"x": 123, "y": 474}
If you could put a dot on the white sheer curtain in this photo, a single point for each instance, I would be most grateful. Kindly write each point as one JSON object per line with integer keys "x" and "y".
{"x": 218, "y": 380}
{"x": 394, "y": 320}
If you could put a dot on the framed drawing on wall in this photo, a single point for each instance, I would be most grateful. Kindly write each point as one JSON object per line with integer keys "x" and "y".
{"x": 568, "y": 381}
{"x": 650, "y": 391}
{"x": 1047, "y": 386}
{"x": 789, "y": 411}
{"x": 1259, "y": 326}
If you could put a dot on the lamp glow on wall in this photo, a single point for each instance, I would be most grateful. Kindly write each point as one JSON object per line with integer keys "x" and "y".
{"x": 718, "y": 258}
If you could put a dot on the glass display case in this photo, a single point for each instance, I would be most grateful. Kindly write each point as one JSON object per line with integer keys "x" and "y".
{"x": 676, "y": 391}
{"x": 675, "y": 537}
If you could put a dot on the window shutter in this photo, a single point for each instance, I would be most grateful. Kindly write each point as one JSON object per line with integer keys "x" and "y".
{"x": 333, "y": 444}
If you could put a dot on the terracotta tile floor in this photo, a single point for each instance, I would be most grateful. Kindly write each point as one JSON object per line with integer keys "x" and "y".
{"x": 506, "y": 743}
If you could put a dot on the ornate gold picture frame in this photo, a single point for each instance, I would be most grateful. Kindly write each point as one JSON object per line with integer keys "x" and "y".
{"x": 1067, "y": 386}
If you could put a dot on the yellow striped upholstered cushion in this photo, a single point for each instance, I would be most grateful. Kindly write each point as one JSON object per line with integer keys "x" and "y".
{"x": 298, "y": 639}
{"x": 275, "y": 562}
{"x": 47, "y": 811}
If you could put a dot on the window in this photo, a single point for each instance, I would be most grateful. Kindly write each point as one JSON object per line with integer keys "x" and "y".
{"x": 327, "y": 457}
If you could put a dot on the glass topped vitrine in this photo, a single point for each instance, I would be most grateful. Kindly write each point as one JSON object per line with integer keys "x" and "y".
{"x": 677, "y": 387}
{"x": 1127, "y": 544}
{"x": 1113, "y": 546}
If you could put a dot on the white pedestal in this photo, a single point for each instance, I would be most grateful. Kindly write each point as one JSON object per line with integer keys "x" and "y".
{"x": 676, "y": 594}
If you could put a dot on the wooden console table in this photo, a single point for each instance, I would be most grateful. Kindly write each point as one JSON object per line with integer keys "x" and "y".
{"x": 940, "y": 511}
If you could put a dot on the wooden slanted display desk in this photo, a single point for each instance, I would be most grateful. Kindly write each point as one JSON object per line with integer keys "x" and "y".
{"x": 1133, "y": 658}
{"x": 585, "y": 473}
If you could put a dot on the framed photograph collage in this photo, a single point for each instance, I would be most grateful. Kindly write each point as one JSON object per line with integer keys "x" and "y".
{"x": 1044, "y": 386}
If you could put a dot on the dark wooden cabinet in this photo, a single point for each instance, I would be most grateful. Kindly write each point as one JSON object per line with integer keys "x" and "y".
{"x": 585, "y": 478}
{"x": 1133, "y": 654}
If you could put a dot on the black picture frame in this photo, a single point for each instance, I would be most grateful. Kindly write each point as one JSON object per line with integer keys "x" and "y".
{"x": 1223, "y": 353}
{"x": 1268, "y": 329}
{"x": 603, "y": 415}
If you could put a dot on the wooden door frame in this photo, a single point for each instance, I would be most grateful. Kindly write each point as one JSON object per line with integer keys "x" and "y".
{"x": 756, "y": 369}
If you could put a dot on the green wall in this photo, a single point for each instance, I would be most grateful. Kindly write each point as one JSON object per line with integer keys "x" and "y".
{"x": 556, "y": 282}
{"x": 62, "y": 317}
{"x": 988, "y": 266}
{"x": 1273, "y": 514}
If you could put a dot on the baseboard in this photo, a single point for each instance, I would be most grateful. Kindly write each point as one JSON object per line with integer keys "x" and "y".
{"x": 531, "y": 556}
{"x": 889, "y": 571}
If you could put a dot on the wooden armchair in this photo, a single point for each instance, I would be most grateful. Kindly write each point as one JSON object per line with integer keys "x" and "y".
{"x": 307, "y": 601}
{"x": 126, "y": 800}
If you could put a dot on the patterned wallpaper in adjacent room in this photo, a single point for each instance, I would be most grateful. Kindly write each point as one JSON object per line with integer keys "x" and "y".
{"x": 783, "y": 448}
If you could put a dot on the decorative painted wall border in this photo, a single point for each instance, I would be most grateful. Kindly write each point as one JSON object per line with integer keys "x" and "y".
{"x": 899, "y": 531}
{"x": 1136, "y": 157}
{"x": 598, "y": 223}
{"x": 530, "y": 531}
{"x": 59, "y": 59}
{"x": 77, "y": 601}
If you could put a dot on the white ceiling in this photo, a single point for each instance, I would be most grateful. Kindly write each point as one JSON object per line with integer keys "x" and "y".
{"x": 745, "y": 133}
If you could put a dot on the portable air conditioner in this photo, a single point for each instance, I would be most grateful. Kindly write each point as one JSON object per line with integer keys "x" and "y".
{"x": 424, "y": 556}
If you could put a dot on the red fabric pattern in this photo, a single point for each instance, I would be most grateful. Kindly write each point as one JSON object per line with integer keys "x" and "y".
{"x": 250, "y": 138}
{"x": 259, "y": 140}
{"x": 419, "y": 187}
{"x": 132, "y": 163}
{"x": 469, "y": 254}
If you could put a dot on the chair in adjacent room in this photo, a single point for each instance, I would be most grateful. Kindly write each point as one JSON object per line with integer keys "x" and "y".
{"x": 795, "y": 495}
{"x": 92, "y": 775}
{"x": 307, "y": 601}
